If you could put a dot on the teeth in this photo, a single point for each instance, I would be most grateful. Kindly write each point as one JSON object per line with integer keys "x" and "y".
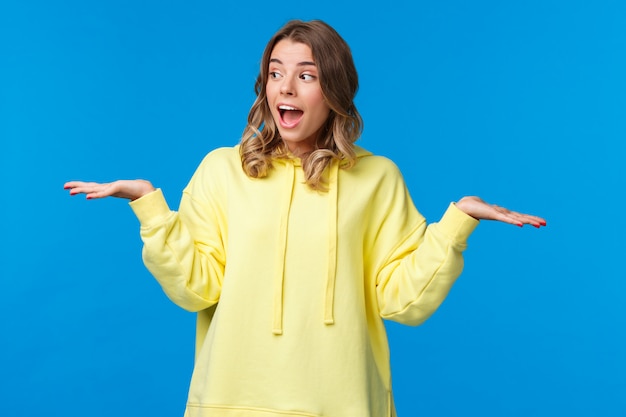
{"x": 287, "y": 108}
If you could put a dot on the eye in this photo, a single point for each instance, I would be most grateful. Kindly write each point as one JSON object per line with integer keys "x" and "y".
{"x": 274, "y": 75}
{"x": 308, "y": 77}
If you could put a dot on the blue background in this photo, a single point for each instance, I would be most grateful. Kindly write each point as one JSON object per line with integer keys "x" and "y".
{"x": 521, "y": 103}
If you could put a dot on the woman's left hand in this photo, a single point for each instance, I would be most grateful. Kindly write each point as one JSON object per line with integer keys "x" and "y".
{"x": 480, "y": 210}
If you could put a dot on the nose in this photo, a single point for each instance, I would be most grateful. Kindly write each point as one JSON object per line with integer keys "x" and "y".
{"x": 287, "y": 87}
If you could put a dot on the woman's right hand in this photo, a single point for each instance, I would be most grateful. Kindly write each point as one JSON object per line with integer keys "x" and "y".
{"x": 130, "y": 189}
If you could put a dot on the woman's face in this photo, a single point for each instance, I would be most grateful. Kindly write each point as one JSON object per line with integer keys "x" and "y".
{"x": 294, "y": 96}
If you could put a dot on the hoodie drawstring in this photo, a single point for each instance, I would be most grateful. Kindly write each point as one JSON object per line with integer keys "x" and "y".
{"x": 329, "y": 301}
{"x": 279, "y": 279}
{"x": 282, "y": 250}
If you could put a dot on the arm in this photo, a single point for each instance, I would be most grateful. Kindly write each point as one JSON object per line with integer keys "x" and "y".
{"x": 182, "y": 249}
{"x": 420, "y": 271}
{"x": 421, "y": 263}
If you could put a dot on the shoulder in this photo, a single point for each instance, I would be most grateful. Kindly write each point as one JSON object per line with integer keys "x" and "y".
{"x": 220, "y": 163}
{"x": 216, "y": 168}
{"x": 373, "y": 166}
{"x": 222, "y": 156}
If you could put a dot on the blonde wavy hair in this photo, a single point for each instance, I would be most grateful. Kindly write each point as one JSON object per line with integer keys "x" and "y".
{"x": 261, "y": 141}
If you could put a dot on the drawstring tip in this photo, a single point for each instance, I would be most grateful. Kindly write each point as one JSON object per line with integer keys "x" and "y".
{"x": 329, "y": 321}
{"x": 277, "y": 332}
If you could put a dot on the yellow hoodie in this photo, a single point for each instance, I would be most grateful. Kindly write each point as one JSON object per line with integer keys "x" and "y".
{"x": 291, "y": 285}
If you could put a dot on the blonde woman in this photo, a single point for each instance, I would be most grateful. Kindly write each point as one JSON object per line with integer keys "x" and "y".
{"x": 296, "y": 244}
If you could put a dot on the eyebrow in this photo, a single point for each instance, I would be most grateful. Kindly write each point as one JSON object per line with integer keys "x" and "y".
{"x": 300, "y": 64}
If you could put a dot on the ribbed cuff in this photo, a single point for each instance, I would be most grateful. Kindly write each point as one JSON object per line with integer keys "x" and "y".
{"x": 150, "y": 208}
{"x": 457, "y": 224}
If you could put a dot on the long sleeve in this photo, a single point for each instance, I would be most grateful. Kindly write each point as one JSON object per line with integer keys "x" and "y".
{"x": 183, "y": 250}
{"x": 416, "y": 274}
{"x": 421, "y": 271}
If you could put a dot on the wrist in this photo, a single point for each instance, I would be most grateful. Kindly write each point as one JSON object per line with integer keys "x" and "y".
{"x": 145, "y": 188}
{"x": 466, "y": 204}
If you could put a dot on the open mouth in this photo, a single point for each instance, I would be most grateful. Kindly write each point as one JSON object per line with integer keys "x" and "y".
{"x": 289, "y": 115}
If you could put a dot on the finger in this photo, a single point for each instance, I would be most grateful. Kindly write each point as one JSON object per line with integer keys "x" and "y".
{"x": 73, "y": 184}
{"x": 540, "y": 220}
{"x": 95, "y": 195}
{"x": 535, "y": 221}
{"x": 81, "y": 189}
{"x": 79, "y": 185}
{"x": 510, "y": 218}
{"x": 531, "y": 219}
{"x": 90, "y": 189}
{"x": 518, "y": 219}
{"x": 106, "y": 190}
{"x": 522, "y": 218}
